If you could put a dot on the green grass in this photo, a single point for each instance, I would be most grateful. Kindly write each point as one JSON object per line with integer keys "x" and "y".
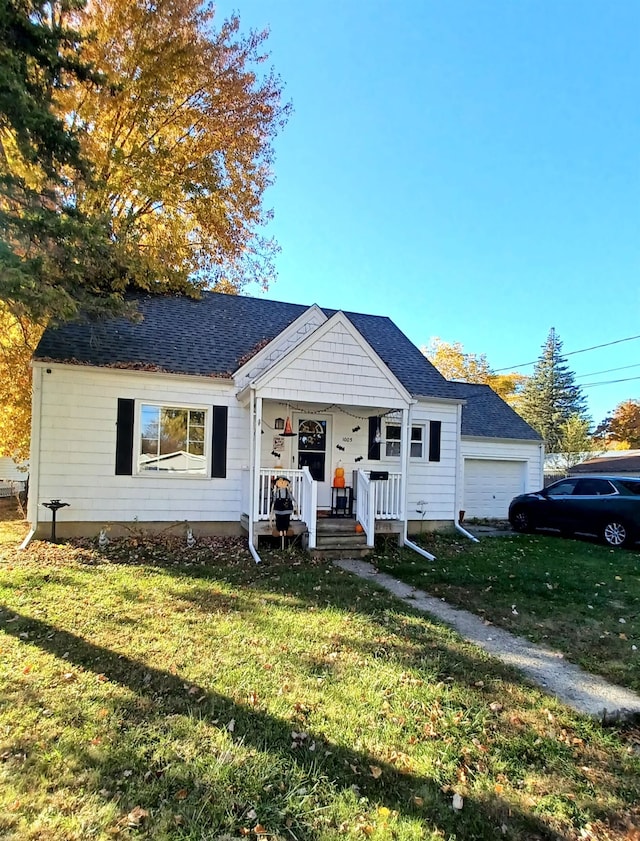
{"x": 572, "y": 595}
{"x": 158, "y": 692}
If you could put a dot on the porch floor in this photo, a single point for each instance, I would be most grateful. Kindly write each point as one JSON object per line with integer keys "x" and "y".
{"x": 325, "y": 525}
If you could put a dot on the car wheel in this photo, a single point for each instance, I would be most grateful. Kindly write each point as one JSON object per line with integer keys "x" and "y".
{"x": 616, "y": 533}
{"x": 521, "y": 521}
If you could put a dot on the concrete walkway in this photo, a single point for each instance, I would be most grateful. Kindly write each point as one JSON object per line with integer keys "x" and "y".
{"x": 580, "y": 690}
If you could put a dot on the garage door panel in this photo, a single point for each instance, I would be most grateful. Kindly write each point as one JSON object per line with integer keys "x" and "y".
{"x": 490, "y": 485}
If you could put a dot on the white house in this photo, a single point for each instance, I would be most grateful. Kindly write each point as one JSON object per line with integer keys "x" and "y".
{"x": 13, "y": 477}
{"x": 186, "y": 415}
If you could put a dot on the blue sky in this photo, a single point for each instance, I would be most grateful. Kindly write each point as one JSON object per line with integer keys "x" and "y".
{"x": 470, "y": 169}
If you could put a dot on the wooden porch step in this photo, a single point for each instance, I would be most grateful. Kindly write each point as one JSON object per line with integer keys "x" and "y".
{"x": 336, "y": 554}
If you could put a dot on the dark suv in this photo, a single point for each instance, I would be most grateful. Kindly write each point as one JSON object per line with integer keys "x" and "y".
{"x": 608, "y": 506}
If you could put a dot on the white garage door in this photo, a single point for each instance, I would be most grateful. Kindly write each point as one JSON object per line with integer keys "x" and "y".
{"x": 490, "y": 485}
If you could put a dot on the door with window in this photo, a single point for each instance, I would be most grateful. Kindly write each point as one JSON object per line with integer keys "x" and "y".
{"x": 313, "y": 433}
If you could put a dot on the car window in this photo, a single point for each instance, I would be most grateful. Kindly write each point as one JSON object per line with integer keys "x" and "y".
{"x": 594, "y": 487}
{"x": 632, "y": 486}
{"x": 564, "y": 488}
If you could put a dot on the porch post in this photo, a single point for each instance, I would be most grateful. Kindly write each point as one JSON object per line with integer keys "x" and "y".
{"x": 257, "y": 453}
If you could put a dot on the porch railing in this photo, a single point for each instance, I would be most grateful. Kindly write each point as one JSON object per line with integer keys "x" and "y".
{"x": 308, "y": 503}
{"x": 305, "y": 493}
{"x": 366, "y": 506}
{"x": 268, "y": 477}
{"x": 377, "y": 500}
{"x": 389, "y": 498}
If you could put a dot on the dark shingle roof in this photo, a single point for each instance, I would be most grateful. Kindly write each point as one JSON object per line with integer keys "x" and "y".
{"x": 214, "y": 335}
{"x": 613, "y": 465}
{"x": 486, "y": 415}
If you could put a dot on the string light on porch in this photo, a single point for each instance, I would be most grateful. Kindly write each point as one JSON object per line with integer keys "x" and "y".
{"x": 321, "y": 410}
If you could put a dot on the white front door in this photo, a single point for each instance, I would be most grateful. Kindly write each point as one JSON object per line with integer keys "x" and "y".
{"x": 312, "y": 445}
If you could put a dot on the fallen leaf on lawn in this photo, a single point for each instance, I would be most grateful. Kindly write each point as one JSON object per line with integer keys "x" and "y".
{"x": 137, "y": 816}
{"x": 260, "y": 830}
{"x": 498, "y": 788}
{"x": 252, "y": 814}
{"x": 182, "y": 794}
{"x": 231, "y": 726}
{"x": 384, "y": 813}
{"x": 495, "y": 707}
{"x": 457, "y": 802}
{"x": 376, "y": 771}
{"x": 418, "y": 801}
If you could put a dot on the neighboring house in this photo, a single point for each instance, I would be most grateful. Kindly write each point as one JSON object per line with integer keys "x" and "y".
{"x": 13, "y": 477}
{"x": 618, "y": 463}
{"x": 211, "y": 389}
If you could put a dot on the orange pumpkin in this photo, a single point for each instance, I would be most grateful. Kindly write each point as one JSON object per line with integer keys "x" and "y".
{"x": 339, "y": 472}
{"x": 338, "y": 482}
{"x": 359, "y": 528}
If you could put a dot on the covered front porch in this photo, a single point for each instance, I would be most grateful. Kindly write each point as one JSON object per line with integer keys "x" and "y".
{"x": 377, "y": 504}
{"x": 308, "y": 443}
{"x": 320, "y": 399}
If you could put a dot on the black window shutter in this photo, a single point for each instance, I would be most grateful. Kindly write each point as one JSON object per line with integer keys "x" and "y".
{"x": 435, "y": 433}
{"x": 124, "y": 437}
{"x": 219, "y": 439}
{"x": 374, "y": 448}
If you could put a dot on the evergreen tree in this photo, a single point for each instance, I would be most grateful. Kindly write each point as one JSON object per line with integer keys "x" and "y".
{"x": 551, "y": 397}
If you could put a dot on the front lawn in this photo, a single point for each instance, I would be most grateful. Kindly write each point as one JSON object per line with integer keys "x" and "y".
{"x": 153, "y": 691}
{"x": 573, "y": 595}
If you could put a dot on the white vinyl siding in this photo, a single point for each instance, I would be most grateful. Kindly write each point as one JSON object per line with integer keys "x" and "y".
{"x": 78, "y": 446}
{"x": 333, "y": 367}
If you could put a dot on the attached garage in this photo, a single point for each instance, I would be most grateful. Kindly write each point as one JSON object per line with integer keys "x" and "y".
{"x": 490, "y": 485}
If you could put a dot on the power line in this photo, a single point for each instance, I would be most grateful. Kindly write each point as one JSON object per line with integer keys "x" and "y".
{"x": 571, "y": 353}
{"x": 607, "y": 371}
{"x": 609, "y": 382}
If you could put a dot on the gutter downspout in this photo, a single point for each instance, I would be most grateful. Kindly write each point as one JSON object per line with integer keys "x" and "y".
{"x": 252, "y": 469}
{"x": 466, "y": 533}
{"x": 405, "y": 540}
{"x": 34, "y": 453}
{"x": 459, "y": 479}
{"x": 410, "y": 545}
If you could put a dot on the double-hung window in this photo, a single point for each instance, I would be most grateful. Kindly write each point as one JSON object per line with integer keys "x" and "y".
{"x": 173, "y": 440}
{"x": 393, "y": 441}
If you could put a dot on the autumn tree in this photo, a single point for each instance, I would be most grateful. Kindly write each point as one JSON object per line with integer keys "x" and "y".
{"x": 622, "y": 427}
{"x": 18, "y": 338}
{"x": 177, "y": 120}
{"x": 454, "y": 364}
{"x": 181, "y": 141}
{"x": 574, "y": 441}
{"x": 551, "y": 397}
